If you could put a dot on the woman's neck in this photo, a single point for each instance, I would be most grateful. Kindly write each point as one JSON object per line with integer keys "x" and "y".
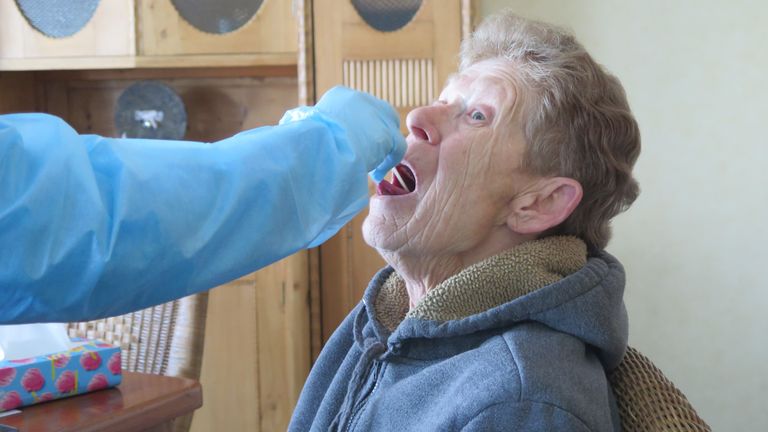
{"x": 422, "y": 272}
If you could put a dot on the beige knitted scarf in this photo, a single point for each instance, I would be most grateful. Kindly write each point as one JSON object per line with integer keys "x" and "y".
{"x": 487, "y": 284}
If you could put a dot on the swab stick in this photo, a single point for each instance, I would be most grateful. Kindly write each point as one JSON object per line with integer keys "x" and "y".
{"x": 400, "y": 179}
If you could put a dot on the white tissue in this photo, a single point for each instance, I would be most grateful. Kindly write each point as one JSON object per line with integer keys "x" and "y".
{"x": 31, "y": 340}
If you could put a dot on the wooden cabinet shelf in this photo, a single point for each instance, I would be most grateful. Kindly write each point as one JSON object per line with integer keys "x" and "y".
{"x": 131, "y": 62}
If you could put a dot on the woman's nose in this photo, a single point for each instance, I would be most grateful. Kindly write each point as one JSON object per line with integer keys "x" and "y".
{"x": 424, "y": 123}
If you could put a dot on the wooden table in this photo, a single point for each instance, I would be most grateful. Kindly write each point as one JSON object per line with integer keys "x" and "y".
{"x": 141, "y": 402}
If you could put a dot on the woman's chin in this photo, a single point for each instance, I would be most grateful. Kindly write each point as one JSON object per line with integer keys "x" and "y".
{"x": 381, "y": 233}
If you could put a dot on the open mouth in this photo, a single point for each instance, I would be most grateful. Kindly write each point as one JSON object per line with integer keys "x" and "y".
{"x": 403, "y": 182}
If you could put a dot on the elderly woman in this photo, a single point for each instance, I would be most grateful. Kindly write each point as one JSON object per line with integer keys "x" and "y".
{"x": 499, "y": 309}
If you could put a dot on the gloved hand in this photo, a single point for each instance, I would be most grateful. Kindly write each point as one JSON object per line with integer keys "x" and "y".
{"x": 372, "y": 125}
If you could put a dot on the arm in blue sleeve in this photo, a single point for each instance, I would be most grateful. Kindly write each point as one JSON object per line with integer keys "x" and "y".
{"x": 93, "y": 227}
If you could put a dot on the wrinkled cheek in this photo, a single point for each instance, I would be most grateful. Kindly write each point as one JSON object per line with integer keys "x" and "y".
{"x": 444, "y": 214}
{"x": 483, "y": 165}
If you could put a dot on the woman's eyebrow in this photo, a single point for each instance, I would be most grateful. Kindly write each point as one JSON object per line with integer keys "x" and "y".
{"x": 463, "y": 102}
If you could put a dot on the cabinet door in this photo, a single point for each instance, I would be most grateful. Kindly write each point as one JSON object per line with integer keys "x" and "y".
{"x": 186, "y": 27}
{"x": 406, "y": 65}
{"x": 95, "y": 32}
{"x": 256, "y": 350}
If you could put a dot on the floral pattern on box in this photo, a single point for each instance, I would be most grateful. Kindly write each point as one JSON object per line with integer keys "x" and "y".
{"x": 91, "y": 365}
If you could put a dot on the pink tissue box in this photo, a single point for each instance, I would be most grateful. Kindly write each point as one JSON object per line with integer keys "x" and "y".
{"x": 91, "y": 365}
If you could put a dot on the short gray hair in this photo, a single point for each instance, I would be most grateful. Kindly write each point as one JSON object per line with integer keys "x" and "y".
{"x": 576, "y": 119}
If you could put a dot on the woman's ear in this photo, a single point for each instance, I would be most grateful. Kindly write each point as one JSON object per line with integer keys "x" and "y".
{"x": 545, "y": 206}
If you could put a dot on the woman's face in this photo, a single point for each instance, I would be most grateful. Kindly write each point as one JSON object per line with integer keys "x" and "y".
{"x": 465, "y": 152}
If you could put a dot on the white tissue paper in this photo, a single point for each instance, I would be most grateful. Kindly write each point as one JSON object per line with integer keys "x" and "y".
{"x": 31, "y": 340}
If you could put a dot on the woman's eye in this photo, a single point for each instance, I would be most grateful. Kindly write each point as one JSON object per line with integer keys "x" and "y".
{"x": 478, "y": 116}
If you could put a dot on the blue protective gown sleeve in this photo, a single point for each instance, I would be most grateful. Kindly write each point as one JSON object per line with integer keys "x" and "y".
{"x": 93, "y": 227}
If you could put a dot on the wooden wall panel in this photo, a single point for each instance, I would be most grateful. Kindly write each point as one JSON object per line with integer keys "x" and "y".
{"x": 231, "y": 376}
{"x": 283, "y": 332}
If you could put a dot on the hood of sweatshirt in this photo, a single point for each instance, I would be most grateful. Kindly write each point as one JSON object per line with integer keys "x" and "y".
{"x": 551, "y": 281}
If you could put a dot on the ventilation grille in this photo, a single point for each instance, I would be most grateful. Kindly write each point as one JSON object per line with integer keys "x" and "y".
{"x": 403, "y": 83}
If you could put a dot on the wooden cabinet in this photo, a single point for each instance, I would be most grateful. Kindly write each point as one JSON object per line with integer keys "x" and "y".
{"x": 149, "y": 34}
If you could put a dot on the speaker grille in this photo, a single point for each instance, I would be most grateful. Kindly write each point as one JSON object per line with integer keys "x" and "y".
{"x": 387, "y": 15}
{"x": 58, "y": 18}
{"x": 219, "y": 16}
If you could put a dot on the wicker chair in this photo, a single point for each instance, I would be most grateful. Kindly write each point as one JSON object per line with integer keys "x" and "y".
{"x": 166, "y": 339}
{"x": 648, "y": 401}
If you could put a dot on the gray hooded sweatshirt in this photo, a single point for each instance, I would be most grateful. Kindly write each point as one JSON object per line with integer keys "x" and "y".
{"x": 518, "y": 342}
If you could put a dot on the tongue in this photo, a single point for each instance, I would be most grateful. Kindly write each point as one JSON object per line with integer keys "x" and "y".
{"x": 387, "y": 188}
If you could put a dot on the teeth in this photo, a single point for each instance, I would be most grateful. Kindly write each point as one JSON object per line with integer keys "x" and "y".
{"x": 400, "y": 179}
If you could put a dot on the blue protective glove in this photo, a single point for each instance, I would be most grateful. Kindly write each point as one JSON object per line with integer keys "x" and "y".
{"x": 93, "y": 226}
{"x": 372, "y": 126}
